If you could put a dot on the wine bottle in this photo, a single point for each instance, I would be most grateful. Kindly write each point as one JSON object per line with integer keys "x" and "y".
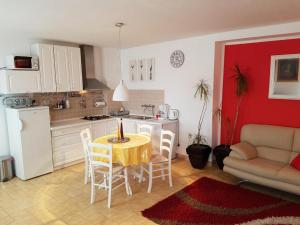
{"x": 118, "y": 132}
{"x": 121, "y": 130}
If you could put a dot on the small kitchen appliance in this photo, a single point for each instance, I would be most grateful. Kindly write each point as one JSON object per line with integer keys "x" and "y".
{"x": 164, "y": 111}
{"x": 173, "y": 114}
{"x": 14, "y": 62}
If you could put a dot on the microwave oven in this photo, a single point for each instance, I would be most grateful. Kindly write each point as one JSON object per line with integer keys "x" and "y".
{"x": 14, "y": 62}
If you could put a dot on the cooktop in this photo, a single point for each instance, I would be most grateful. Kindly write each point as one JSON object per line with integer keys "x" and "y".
{"x": 97, "y": 117}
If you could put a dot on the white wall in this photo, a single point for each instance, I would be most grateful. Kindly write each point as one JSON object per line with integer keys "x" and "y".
{"x": 203, "y": 61}
{"x": 179, "y": 84}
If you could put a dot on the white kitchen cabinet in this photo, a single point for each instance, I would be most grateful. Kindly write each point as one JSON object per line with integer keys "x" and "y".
{"x": 66, "y": 142}
{"x": 156, "y": 131}
{"x": 66, "y": 145}
{"x": 99, "y": 129}
{"x": 111, "y": 126}
{"x": 19, "y": 81}
{"x": 129, "y": 126}
{"x": 75, "y": 70}
{"x": 61, "y": 68}
{"x": 46, "y": 66}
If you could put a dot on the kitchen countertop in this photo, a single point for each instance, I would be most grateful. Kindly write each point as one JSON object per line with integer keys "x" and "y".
{"x": 73, "y": 122}
{"x": 78, "y": 121}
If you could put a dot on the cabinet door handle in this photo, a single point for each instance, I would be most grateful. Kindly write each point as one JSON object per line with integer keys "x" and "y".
{"x": 21, "y": 124}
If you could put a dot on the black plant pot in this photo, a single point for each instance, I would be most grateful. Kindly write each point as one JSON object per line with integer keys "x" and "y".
{"x": 221, "y": 152}
{"x": 198, "y": 155}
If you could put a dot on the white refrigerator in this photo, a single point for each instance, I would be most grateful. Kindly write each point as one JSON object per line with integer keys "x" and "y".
{"x": 30, "y": 141}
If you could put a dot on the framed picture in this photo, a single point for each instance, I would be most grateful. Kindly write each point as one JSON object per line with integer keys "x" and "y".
{"x": 285, "y": 77}
{"x": 133, "y": 70}
{"x": 150, "y": 69}
{"x": 287, "y": 70}
{"x": 141, "y": 70}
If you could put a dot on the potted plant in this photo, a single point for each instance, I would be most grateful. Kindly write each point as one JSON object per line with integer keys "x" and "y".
{"x": 198, "y": 151}
{"x": 223, "y": 150}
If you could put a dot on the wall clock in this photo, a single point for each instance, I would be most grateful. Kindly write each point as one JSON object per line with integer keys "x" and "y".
{"x": 177, "y": 58}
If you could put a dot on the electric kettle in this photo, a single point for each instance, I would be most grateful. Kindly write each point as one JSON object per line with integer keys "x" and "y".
{"x": 173, "y": 114}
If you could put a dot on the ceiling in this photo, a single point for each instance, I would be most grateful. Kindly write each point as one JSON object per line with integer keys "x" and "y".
{"x": 148, "y": 21}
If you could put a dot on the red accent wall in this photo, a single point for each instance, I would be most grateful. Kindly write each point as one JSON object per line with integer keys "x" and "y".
{"x": 254, "y": 60}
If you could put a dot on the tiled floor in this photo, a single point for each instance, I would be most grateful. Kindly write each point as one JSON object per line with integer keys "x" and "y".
{"x": 61, "y": 198}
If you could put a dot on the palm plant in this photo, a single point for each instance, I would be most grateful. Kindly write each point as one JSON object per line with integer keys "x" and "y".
{"x": 202, "y": 92}
{"x": 241, "y": 89}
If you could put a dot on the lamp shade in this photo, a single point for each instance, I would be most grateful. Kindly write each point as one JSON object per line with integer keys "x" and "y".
{"x": 120, "y": 93}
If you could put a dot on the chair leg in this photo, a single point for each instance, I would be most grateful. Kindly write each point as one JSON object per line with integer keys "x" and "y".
{"x": 93, "y": 189}
{"x": 163, "y": 171}
{"x": 170, "y": 176}
{"x": 150, "y": 177}
{"x": 127, "y": 185}
{"x": 141, "y": 174}
{"x": 109, "y": 190}
{"x": 86, "y": 172}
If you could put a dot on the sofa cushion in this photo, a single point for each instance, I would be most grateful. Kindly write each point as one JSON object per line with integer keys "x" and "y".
{"x": 245, "y": 150}
{"x": 275, "y": 154}
{"x": 236, "y": 155}
{"x": 296, "y": 142}
{"x": 267, "y": 135}
{"x": 258, "y": 166}
{"x": 290, "y": 175}
{"x": 296, "y": 162}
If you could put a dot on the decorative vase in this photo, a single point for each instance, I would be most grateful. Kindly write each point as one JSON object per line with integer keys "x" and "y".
{"x": 221, "y": 152}
{"x": 198, "y": 155}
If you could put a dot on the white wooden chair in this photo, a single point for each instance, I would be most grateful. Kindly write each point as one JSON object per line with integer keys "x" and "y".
{"x": 144, "y": 129}
{"x": 158, "y": 161}
{"x": 86, "y": 138}
{"x": 111, "y": 174}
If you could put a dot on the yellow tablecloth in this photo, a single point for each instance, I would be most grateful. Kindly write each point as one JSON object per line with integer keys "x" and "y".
{"x": 137, "y": 150}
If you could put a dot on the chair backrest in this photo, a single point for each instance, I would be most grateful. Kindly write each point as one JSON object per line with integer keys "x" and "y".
{"x": 100, "y": 154}
{"x": 144, "y": 129}
{"x": 86, "y": 138}
{"x": 167, "y": 138}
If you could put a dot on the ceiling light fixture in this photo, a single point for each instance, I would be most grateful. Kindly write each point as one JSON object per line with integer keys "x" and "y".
{"x": 121, "y": 91}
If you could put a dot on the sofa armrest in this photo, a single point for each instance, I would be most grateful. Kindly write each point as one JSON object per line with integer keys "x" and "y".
{"x": 244, "y": 150}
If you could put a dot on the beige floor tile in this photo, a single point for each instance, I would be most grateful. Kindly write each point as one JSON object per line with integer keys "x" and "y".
{"x": 61, "y": 198}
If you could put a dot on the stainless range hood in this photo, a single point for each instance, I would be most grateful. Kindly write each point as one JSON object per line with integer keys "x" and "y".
{"x": 89, "y": 78}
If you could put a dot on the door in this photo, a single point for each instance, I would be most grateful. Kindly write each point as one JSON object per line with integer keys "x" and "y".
{"x": 36, "y": 142}
{"x": 46, "y": 64}
{"x": 99, "y": 129}
{"x": 61, "y": 68}
{"x": 74, "y": 62}
{"x": 21, "y": 81}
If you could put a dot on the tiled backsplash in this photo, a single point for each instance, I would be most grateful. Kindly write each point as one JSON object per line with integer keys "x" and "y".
{"x": 81, "y": 104}
{"x": 140, "y": 97}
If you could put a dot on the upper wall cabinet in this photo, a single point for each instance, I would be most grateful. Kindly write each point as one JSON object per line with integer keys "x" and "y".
{"x": 60, "y": 67}
{"x": 46, "y": 64}
{"x": 19, "y": 81}
{"x": 75, "y": 70}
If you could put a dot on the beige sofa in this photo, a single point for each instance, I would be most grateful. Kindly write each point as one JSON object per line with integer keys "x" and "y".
{"x": 264, "y": 156}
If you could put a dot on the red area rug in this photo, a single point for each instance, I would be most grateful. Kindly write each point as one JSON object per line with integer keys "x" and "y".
{"x": 211, "y": 202}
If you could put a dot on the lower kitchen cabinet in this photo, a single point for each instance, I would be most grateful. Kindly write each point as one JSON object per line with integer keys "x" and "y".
{"x": 66, "y": 142}
{"x": 66, "y": 146}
